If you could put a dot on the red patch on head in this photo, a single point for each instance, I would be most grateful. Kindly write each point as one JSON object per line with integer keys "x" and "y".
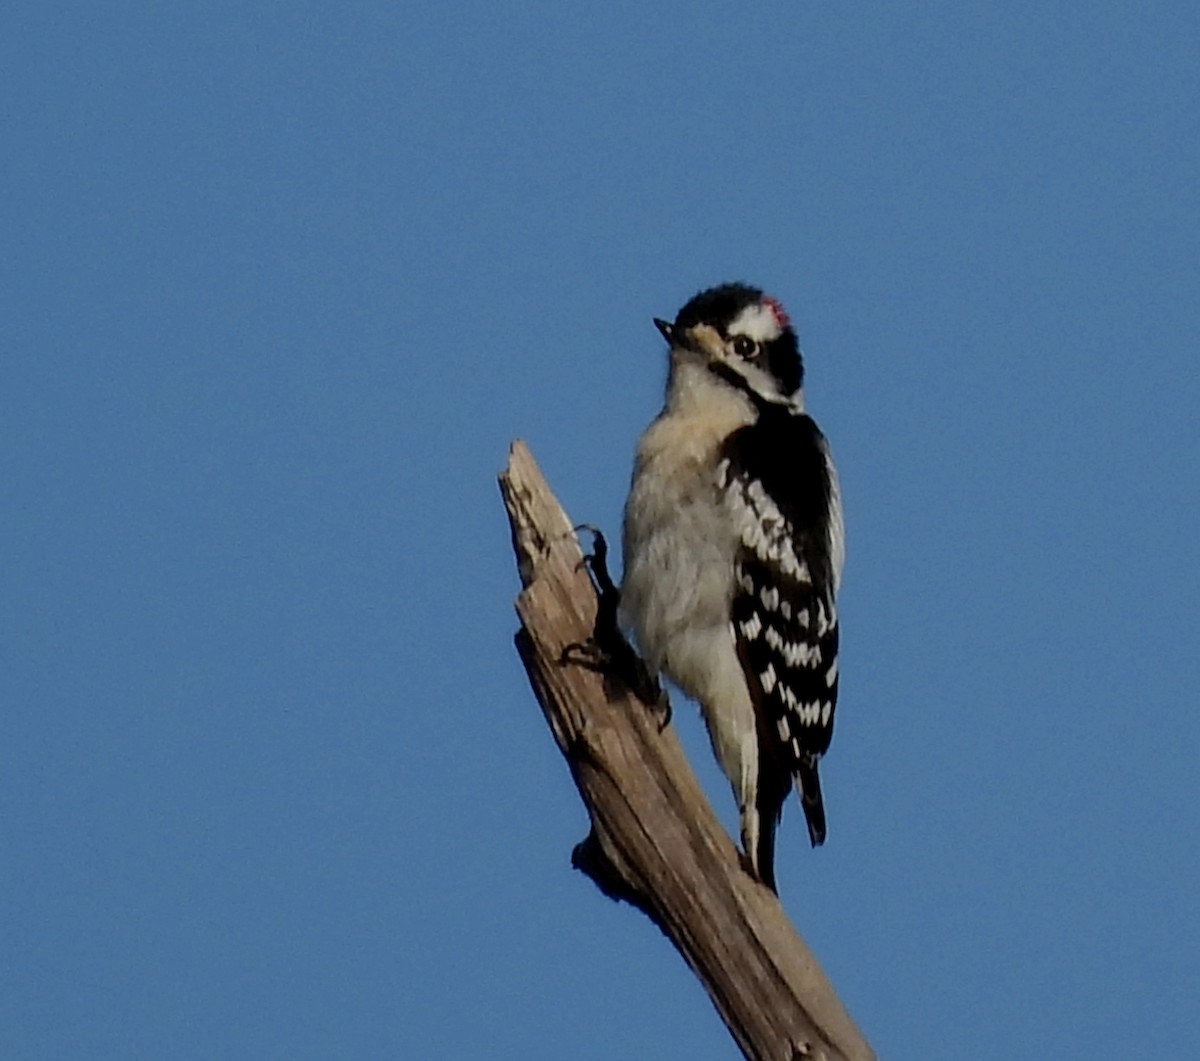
{"x": 777, "y": 310}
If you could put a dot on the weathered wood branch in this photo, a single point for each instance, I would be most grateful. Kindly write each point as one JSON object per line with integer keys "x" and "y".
{"x": 654, "y": 840}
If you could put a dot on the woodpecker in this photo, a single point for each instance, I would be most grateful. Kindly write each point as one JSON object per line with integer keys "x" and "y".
{"x": 733, "y": 546}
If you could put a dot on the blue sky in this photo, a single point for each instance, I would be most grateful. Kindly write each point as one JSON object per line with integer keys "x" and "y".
{"x": 281, "y": 282}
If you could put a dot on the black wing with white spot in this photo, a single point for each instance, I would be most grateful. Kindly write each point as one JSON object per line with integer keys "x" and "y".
{"x": 783, "y": 615}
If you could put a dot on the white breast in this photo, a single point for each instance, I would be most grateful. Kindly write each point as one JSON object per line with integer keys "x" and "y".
{"x": 676, "y": 595}
{"x": 679, "y": 542}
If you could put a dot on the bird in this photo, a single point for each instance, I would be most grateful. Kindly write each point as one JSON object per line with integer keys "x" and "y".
{"x": 733, "y": 545}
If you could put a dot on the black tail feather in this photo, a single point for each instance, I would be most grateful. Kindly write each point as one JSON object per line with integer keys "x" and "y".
{"x": 810, "y": 800}
{"x": 771, "y": 799}
{"x": 764, "y": 856}
{"x": 774, "y": 785}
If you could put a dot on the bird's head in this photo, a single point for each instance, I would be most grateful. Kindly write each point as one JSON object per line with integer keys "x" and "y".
{"x": 741, "y": 337}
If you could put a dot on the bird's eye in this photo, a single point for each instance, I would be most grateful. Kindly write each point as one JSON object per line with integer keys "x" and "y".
{"x": 744, "y": 346}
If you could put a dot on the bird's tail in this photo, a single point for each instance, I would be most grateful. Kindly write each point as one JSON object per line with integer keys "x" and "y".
{"x": 810, "y": 799}
{"x": 764, "y": 854}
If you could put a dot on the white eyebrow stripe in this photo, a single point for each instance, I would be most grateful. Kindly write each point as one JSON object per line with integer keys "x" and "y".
{"x": 757, "y": 321}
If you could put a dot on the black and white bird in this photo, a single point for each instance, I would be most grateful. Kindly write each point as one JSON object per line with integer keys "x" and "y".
{"x": 733, "y": 548}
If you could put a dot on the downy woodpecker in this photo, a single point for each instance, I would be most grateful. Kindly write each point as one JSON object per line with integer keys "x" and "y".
{"x": 733, "y": 547}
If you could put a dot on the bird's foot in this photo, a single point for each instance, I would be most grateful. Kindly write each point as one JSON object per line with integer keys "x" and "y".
{"x": 607, "y": 649}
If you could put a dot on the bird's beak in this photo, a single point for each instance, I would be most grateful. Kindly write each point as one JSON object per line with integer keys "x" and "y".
{"x": 667, "y": 329}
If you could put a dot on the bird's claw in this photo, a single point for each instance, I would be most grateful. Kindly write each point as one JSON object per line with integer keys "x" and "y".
{"x": 607, "y": 649}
